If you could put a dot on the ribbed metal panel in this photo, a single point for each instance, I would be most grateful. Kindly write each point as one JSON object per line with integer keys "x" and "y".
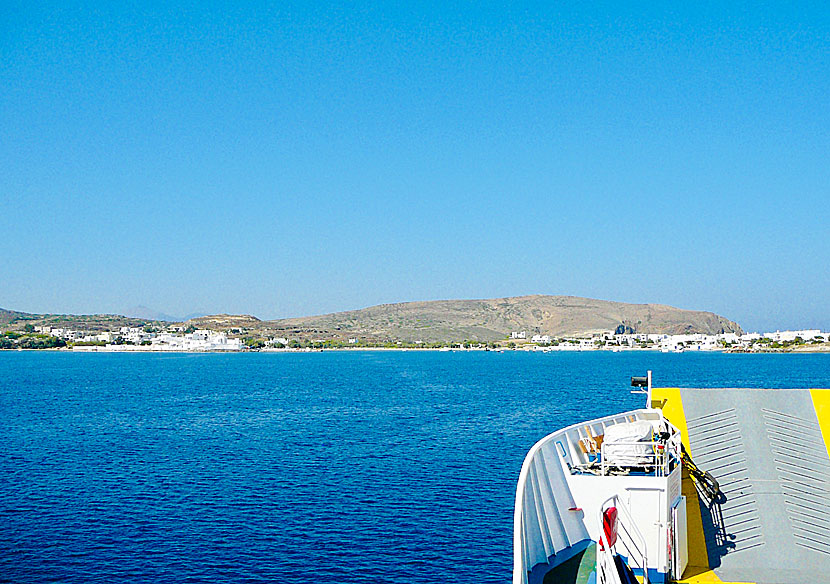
{"x": 766, "y": 449}
{"x": 804, "y": 473}
{"x": 719, "y": 448}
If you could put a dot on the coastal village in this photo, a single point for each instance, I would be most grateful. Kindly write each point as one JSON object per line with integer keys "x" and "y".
{"x": 188, "y": 339}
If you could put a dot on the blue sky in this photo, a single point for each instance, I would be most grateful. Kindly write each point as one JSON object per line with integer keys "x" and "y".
{"x": 311, "y": 157}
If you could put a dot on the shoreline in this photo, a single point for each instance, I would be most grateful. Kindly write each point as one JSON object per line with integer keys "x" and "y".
{"x": 819, "y": 349}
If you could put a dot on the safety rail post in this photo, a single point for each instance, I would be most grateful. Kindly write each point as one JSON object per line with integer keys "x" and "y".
{"x": 605, "y": 554}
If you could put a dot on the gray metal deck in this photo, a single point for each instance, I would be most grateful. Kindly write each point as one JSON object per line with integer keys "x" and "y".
{"x": 767, "y": 452}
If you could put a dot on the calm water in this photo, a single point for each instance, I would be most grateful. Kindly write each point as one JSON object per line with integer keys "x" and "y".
{"x": 323, "y": 467}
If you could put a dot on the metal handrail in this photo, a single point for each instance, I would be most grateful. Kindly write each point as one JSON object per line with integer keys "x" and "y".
{"x": 520, "y": 565}
{"x": 661, "y": 452}
{"x": 641, "y": 549}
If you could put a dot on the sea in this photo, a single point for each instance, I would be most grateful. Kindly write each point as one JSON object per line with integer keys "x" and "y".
{"x": 333, "y": 467}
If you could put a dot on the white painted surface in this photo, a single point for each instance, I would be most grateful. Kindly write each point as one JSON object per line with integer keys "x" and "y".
{"x": 680, "y": 551}
{"x": 556, "y": 509}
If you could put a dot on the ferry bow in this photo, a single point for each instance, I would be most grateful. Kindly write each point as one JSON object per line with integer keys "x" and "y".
{"x": 619, "y": 500}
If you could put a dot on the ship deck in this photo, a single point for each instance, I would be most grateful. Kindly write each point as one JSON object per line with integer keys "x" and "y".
{"x": 768, "y": 449}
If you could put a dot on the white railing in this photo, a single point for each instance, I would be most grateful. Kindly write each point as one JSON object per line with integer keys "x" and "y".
{"x": 657, "y": 455}
{"x": 628, "y": 537}
{"x": 544, "y": 504}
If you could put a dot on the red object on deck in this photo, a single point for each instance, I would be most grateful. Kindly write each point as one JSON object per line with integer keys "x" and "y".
{"x": 609, "y": 525}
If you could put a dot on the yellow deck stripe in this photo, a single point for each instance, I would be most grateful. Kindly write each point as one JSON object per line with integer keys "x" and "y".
{"x": 698, "y": 570}
{"x": 821, "y": 403}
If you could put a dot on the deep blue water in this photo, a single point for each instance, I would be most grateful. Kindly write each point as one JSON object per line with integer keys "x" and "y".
{"x": 324, "y": 467}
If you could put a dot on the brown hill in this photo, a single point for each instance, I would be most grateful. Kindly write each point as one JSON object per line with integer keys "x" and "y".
{"x": 435, "y": 321}
{"x": 13, "y": 320}
{"x": 493, "y": 319}
{"x": 10, "y": 316}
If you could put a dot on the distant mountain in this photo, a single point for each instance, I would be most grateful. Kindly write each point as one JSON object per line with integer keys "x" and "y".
{"x": 147, "y": 313}
{"x": 493, "y": 319}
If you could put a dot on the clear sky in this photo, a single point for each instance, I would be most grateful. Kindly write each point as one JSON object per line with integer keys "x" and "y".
{"x": 311, "y": 157}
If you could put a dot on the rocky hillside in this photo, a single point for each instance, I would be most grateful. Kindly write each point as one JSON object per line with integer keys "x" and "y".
{"x": 437, "y": 321}
{"x": 493, "y": 319}
{"x": 11, "y": 320}
{"x": 223, "y": 322}
{"x": 10, "y": 316}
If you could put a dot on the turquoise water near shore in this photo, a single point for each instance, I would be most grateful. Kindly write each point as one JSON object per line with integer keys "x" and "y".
{"x": 322, "y": 467}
